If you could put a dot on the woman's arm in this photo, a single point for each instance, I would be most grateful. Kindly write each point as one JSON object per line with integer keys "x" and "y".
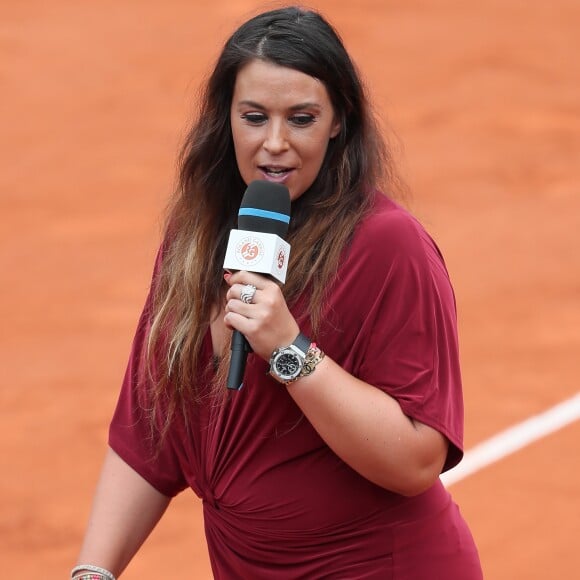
{"x": 125, "y": 510}
{"x": 363, "y": 425}
{"x": 368, "y": 430}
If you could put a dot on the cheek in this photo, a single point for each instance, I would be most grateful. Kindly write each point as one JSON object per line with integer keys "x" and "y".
{"x": 237, "y": 139}
{"x": 315, "y": 151}
{"x": 241, "y": 151}
{"x": 244, "y": 144}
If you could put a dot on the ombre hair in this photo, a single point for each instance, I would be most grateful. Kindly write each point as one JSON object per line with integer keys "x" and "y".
{"x": 188, "y": 285}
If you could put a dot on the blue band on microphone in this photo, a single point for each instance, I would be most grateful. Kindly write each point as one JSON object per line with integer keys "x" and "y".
{"x": 273, "y": 215}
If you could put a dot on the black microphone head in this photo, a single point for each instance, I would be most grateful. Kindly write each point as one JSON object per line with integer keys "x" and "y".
{"x": 265, "y": 208}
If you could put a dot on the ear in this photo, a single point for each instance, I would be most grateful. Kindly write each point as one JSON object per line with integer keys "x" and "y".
{"x": 335, "y": 129}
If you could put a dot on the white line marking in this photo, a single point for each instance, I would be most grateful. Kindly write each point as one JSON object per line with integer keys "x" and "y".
{"x": 514, "y": 438}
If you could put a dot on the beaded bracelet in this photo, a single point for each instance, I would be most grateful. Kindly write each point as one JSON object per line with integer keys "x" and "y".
{"x": 313, "y": 357}
{"x": 90, "y": 572}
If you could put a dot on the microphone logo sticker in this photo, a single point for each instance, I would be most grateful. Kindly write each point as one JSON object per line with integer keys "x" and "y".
{"x": 281, "y": 259}
{"x": 249, "y": 251}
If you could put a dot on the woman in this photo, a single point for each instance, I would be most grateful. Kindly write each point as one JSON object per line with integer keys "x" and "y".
{"x": 334, "y": 472}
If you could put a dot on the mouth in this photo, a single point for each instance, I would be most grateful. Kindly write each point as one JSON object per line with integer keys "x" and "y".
{"x": 275, "y": 172}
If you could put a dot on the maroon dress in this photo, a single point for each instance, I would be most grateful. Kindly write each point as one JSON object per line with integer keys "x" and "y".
{"x": 278, "y": 503}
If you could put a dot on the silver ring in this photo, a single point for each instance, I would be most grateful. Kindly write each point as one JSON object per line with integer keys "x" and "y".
{"x": 247, "y": 294}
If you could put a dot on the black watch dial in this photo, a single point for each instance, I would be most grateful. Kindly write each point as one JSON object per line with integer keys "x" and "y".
{"x": 287, "y": 365}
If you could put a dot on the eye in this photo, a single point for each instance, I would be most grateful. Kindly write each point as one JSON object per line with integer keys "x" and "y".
{"x": 302, "y": 119}
{"x": 254, "y": 118}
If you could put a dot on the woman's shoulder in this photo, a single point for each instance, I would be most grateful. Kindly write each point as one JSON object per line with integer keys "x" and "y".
{"x": 389, "y": 228}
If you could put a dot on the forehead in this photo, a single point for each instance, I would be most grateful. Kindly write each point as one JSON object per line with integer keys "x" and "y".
{"x": 263, "y": 82}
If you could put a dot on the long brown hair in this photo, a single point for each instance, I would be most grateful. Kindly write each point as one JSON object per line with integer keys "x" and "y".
{"x": 204, "y": 208}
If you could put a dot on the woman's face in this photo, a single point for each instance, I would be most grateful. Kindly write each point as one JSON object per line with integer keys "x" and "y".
{"x": 282, "y": 121}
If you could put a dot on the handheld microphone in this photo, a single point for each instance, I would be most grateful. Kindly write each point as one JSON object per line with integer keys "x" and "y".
{"x": 257, "y": 246}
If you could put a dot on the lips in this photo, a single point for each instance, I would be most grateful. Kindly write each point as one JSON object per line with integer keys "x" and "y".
{"x": 275, "y": 172}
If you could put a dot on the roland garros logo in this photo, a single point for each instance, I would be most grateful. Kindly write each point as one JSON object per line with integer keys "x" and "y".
{"x": 249, "y": 251}
{"x": 281, "y": 259}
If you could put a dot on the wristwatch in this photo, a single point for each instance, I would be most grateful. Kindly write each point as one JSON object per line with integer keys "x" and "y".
{"x": 291, "y": 362}
{"x": 286, "y": 362}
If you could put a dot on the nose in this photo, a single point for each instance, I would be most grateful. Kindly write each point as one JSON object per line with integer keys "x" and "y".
{"x": 276, "y": 139}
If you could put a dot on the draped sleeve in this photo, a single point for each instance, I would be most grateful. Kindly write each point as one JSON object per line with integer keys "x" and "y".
{"x": 394, "y": 321}
{"x": 131, "y": 434}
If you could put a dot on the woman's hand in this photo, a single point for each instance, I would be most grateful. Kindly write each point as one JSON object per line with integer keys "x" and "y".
{"x": 266, "y": 322}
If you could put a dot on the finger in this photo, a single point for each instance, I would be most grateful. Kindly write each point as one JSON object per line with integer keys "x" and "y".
{"x": 237, "y": 291}
{"x": 243, "y": 277}
{"x": 238, "y": 321}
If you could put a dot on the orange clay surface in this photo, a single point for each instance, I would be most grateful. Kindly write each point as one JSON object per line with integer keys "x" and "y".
{"x": 484, "y": 100}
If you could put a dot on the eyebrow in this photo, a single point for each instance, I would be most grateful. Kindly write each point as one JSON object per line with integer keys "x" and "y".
{"x": 297, "y": 107}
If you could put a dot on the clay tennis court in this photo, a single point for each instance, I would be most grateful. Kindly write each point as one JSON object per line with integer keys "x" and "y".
{"x": 484, "y": 101}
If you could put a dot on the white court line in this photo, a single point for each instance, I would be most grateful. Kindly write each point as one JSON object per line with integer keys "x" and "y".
{"x": 514, "y": 438}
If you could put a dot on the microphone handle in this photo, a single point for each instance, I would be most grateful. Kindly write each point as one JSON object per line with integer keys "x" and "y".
{"x": 240, "y": 348}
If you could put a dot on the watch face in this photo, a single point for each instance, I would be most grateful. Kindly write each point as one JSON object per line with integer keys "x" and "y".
{"x": 288, "y": 365}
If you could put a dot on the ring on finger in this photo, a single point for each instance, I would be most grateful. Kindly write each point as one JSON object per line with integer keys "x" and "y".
{"x": 247, "y": 293}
